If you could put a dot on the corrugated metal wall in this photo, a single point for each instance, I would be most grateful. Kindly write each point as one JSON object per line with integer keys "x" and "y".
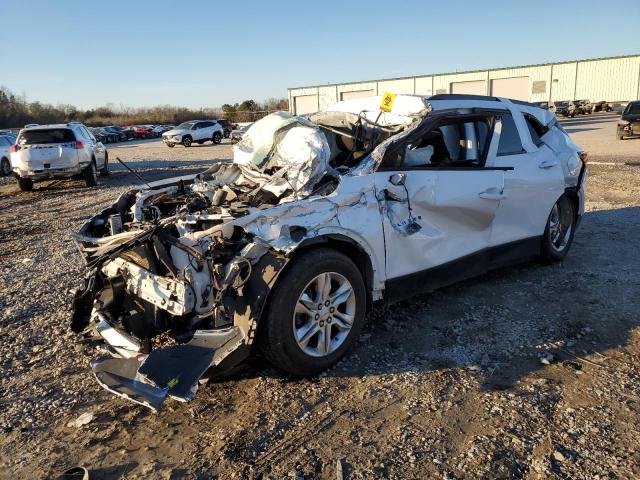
{"x": 615, "y": 79}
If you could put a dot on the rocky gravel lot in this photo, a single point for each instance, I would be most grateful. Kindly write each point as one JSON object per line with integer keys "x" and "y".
{"x": 527, "y": 372}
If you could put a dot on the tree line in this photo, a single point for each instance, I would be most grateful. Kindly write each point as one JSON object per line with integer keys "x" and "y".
{"x": 16, "y": 111}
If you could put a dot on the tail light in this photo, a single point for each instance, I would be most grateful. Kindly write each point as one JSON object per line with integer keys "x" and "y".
{"x": 583, "y": 156}
{"x": 79, "y": 146}
{"x": 14, "y": 148}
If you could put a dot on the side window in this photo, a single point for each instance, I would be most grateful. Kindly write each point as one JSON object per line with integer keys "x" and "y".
{"x": 209, "y": 124}
{"x": 510, "y": 143}
{"x": 536, "y": 129}
{"x": 4, "y": 142}
{"x": 453, "y": 143}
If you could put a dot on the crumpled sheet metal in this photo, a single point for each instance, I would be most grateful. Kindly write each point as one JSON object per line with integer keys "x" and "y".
{"x": 173, "y": 371}
{"x": 405, "y": 109}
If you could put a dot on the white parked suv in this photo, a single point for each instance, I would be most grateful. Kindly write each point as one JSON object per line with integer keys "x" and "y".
{"x": 286, "y": 247}
{"x": 46, "y": 152}
{"x": 198, "y": 131}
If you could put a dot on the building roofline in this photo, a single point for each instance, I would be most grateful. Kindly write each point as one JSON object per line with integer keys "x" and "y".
{"x": 409, "y": 77}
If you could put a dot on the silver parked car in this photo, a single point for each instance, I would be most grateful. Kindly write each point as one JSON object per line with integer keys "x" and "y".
{"x": 5, "y": 144}
{"x": 58, "y": 151}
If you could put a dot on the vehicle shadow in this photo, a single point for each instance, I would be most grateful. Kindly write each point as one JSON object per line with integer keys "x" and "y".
{"x": 511, "y": 322}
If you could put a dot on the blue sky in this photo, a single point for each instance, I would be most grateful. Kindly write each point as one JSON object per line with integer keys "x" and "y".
{"x": 206, "y": 53}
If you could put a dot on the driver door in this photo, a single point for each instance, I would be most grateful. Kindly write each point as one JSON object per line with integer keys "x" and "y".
{"x": 438, "y": 202}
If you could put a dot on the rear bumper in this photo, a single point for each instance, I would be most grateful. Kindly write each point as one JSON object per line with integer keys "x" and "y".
{"x": 49, "y": 173}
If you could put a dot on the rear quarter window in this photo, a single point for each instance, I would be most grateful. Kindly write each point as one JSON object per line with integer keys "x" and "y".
{"x": 53, "y": 135}
{"x": 510, "y": 143}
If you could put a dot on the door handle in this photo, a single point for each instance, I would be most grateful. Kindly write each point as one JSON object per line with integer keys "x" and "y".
{"x": 547, "y": 164}
{"x": 492, "y": 194}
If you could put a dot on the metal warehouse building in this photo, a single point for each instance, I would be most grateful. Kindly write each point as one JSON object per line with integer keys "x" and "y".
{"x": 614, "y": 79}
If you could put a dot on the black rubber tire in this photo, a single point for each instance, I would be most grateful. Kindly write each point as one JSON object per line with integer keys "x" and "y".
{"x": 217, "y": 138}
{"x": 548, "y": 254}
{"x": 227, "y": 134}
{"x": 104, "y": 171}
{"x": 5, "y": 167}
{"x": 90, "y": 175}
{"x": 276, "y": 338}
{"x": 25, "y": 184}
{"x": 187, "y": 141}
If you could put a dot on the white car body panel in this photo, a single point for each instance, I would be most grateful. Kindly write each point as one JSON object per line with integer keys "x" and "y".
{"x": 428, "y": 202}
{"x": 454, "y": 222}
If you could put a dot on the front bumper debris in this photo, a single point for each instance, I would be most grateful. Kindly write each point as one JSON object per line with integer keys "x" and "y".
{"x": 170, "y": 372}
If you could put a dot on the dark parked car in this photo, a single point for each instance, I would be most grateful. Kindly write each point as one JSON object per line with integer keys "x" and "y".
{"x": 129, "y": 133}
{"x": 227, "y": 127}
{"x": 629, "y": 123}
{"x": 120, "y": 136}
{"x": 564, "y": 108}
{"x": 602, "y": 106}
{"x": 100, "y": 135}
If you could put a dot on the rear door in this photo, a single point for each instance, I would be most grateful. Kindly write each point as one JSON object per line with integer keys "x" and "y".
{"x": 532, "y": 187}
{"x": 437, "y": 199}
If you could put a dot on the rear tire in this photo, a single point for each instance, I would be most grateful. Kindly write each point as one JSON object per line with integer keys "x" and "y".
{"x": 25, "y": 184}
{"x": 187, "y": 141}
{"x": 104, "y": 171}
{"x": 227, "y": 134}
{"x": 284, "y": 323}
{"x": 217, "y": 138}
{"x": 5, "y": 167}
{"x": 558, "y": 234}
{"x": 90, "y": 175}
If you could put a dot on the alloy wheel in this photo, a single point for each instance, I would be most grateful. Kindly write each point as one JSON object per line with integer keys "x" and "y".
{"x": 324, "y": 314}
{"x": 560, "y": 227}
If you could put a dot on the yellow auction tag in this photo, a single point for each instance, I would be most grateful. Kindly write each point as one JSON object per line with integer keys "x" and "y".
{"x": 386, "y": 104}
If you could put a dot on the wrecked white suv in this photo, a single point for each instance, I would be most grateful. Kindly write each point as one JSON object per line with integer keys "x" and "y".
{"x": 286, "y": 247}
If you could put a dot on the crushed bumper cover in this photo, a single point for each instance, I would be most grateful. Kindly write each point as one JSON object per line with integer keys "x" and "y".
{"x": 173, "y": 371}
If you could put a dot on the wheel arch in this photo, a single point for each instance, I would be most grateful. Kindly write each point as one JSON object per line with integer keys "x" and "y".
{"x": 348, "y": 247}
{"x": 255, "y": 308}
{"x": 572, "y": 194}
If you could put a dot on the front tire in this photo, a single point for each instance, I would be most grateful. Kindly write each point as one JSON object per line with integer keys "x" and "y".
{"x": 558, "y": 234}
{"x": 187, "y": 141}
{"x": 217, "y": 138}
{"x": 25, "y": 184}
{"x": 90, "y": 175}
{"x": 316, "y": 311}
{"x": 5, "y": 167}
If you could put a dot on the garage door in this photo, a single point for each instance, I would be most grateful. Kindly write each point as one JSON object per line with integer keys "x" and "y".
{"x": 306, "y": 104}
{"x": 477, "y": 87}
{"x": 356, "y": 94}
{"x": 516, "y": 88}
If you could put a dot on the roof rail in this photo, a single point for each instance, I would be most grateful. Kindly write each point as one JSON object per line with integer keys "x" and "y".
{"x": 462, "y": 96}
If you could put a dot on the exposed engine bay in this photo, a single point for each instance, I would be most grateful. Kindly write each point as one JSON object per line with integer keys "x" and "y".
{"x": 187, "y": 264}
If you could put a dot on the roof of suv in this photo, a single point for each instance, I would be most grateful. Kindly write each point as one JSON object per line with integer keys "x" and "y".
{"x": 53, "y": 125}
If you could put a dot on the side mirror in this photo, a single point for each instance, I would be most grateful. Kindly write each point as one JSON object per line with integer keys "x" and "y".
{"x": 397, "y": 179}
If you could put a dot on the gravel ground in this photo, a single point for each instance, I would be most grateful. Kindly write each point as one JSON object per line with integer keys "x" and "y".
{"x": 526, "y": 372}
